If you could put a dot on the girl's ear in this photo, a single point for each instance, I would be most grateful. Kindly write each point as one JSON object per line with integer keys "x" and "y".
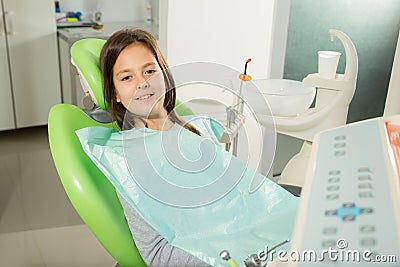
{"x": 117, "y": 98}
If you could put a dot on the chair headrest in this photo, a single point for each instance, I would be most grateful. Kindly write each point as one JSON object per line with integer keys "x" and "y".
{"x": 85, "y": 56}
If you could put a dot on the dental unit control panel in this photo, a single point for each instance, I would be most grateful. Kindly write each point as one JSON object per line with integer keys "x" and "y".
{"x": 349, "y": 212}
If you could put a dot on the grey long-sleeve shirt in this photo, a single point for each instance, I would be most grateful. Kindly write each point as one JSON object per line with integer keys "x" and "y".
{"x": 154, "y": 249}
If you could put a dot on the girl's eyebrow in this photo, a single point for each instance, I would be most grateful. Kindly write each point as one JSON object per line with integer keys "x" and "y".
{"x": 148, "y": 64}
{"x": 130, "y": 70}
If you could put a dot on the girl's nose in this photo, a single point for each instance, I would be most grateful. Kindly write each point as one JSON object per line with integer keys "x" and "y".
{"x": 142, "y": 83}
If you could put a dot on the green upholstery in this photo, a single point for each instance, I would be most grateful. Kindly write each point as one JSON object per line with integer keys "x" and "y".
{"x": 89, "y": 191}
{"x": 85, "y": 55}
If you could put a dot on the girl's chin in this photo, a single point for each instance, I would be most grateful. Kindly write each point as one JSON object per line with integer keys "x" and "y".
{"x": 146, "y": 108}
{"x": 145, "y": 113}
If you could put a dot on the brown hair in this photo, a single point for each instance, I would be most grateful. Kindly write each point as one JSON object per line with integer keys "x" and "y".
{"x": 108, "y": 56}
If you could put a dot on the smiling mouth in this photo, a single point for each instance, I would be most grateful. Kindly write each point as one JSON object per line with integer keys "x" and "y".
{"x": 144, "y": 97}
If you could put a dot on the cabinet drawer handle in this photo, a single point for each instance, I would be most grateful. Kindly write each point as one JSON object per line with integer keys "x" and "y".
{"x": 9, "y": 23}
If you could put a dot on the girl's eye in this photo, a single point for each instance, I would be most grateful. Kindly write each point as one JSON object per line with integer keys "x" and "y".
{"x": 126, "y": 78}
{"x": 150, "y": 71}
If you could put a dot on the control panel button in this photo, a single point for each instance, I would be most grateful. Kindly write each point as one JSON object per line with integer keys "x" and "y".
{"x": 330, "y": 212}
{"x": 340, "y": 153}
{"x": 334, "y": 172}
{"x": 333, "y": 188}
{"x": 334, "y": 180}
{"x": 368, "y": 242}
{"x": 340, "y": 138}
{"x": 339, "y": 145}
{"x": 329, "y": 243}
{"x": 364, "y": 169}
{"x": 365, "y": 186}
{"x": 367, "y": 210}
{"x": 348, "y": 218}
{"x": 349, "y": 205}
{"x": 365, "y": 177}
{"x": 329, "y": 230}
{"x": 367, "y": 194}
{"x": 367, "y": 228}
{"x": 332, "y": 196}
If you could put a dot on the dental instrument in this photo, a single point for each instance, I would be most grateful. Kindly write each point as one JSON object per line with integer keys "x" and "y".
{"x": 235, "y": 117}
{"x": 243, "y": 78}
{"x": 253, "y": 260}
{"x": 225, "y": 256}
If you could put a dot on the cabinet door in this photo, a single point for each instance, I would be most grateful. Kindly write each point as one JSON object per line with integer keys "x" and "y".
{"x": 6, "y": 104}
{"x": 32, "y": 40}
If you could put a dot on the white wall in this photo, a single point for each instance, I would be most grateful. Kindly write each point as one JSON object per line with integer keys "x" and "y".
{"x": 224, "y": 31}
{"x": 227, "y": 32}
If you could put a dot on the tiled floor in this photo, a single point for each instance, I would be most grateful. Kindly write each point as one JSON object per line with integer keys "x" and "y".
{"x": 38, "y": 225}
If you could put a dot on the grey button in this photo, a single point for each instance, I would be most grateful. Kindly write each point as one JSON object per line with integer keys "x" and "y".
{"x": 329, "y": 230}
{"x": 364, "y": 177}
{"x": 330, "y": 212}
{"x": 329, "y": 243}
{"x": 340, "y": 137}
{"x": 349, "y": 205}
{"x": 367, "y": 242}
{"x": 339, "y": 145}
{"x": 334, "y": 180}
{"x": 367, "y": 228}
{"x": 349, "y": 218}
{"x": 334, "y": 172}
{"x": 365, "y": 186}
{"x": 367, "y": 210}
{"x": 332, "y": 196}
{"x": 364, "y": 169}
{"x": 365, "y": 195}
{"x": 333, "y": 188}
{"x": 340, "y": 153}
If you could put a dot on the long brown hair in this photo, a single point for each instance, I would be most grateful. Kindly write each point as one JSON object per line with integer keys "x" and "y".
{"x": 108, "y": 56}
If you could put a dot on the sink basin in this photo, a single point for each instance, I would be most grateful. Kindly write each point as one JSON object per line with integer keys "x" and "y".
{"x": 285, "y": 97}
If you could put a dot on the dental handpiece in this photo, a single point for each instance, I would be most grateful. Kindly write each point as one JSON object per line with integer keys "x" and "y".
{"x": 253, "y": 260}
{"x": 225, "y": 256}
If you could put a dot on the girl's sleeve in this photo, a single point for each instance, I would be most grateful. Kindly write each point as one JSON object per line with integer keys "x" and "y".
{"x": 154, "y": 249}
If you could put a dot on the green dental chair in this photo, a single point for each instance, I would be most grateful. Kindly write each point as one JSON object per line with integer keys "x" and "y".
{"x": 89, "y": 191}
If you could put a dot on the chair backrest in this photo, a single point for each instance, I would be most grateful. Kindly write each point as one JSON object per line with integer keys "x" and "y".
{"x": 85, "y": 55}
{"x": 89, "y": 191}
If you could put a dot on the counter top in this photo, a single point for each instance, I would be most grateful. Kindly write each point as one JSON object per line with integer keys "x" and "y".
{"x": 71, "y": 35}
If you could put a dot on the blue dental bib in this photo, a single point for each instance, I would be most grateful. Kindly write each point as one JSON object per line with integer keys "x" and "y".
{"x": 193, "y": 192}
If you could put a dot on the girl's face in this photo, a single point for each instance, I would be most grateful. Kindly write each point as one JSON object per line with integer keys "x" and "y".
{"x": 139, "y": 82}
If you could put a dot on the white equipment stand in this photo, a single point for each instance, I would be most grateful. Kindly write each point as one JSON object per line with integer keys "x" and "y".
{"x": 332, "y": 102}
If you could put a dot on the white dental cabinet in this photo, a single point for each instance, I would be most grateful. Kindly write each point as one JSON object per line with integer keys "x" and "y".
{"x": 29, "y": 69}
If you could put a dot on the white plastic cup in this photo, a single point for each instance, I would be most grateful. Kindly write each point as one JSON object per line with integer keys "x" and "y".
{"x": 327, "y": 63}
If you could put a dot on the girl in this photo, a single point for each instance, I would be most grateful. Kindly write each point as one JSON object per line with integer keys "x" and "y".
{"x": 128, "y": 60}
